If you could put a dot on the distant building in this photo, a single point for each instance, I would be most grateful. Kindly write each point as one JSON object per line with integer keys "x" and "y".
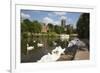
{"x": 63, "y": 22}
{"x": 44, "y": 28}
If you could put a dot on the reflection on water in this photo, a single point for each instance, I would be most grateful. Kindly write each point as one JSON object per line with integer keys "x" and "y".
{"x": 49, "y": 43}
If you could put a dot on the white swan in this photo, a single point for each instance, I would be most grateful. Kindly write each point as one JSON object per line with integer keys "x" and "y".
{"x": 29, "y": 48}
{"x": 45, "y": 58}
{"x": 39, "y": 44}
{"x": 54, "y": 56}
{"x": 34, "y": 41}
{"x": 54, "y": 43}
{"x": 58, "y": 50}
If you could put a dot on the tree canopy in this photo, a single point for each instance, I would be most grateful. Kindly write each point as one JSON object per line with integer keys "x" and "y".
{"x": 83, "y": 26}
{"x": 31, "y": 26}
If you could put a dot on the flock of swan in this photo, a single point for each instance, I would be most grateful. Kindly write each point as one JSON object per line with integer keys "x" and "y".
{"x": 63, "y": 37}
{"x": 56, "y": 53}
{"x": 53, "y": 56}
{"x": 29, "y": 48}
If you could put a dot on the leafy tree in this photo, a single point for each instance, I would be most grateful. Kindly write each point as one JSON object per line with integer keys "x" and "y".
{"x": 24, "y": 43}
{"x": 61, "y": 29}
{"x": 57, "y": 29}
{"x": 74, "y": 30}
{"x": 29, "y": 26}
{"x": 83, "y": 26}
{"x": 36, "y": 27}
{"x": 51, "y": 27}
{"x": 24, "y": 25}
{"x": 69, "y": 29}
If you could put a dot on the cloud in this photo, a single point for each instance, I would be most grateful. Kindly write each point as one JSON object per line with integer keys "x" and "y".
{"x": 25, "y": 16}
{"x": 60, "y": 13}
{"x": 63, "y": 17}
{"x": 50, "y": 14}
{"x": 49, "y": 20}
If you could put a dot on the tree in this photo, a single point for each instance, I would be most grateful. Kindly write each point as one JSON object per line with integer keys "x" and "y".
{"x": 36, "y": 27}
{"x": 61, "y": 29}
{"x": 25, "y": 25}
{"x": 69, "y": 29}
{"x": 29, "y": 26}
{"x": 24, "y": 43}
{"x": 51, "y": 27}
{"x": 57, "y": 29}
{"x": 83, "y": 26}
{"x": 24, "y": 29}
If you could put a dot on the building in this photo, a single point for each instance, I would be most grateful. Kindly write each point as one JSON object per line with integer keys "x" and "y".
{"x": 63, "y": 22}
{"x": 44, "y": 28}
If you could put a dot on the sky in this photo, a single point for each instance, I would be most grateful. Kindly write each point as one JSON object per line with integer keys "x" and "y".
{"x": 53, "y": 17}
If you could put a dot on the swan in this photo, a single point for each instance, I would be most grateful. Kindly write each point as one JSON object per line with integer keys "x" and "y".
{"x": 54, "y": 43}
{"x": 58, "y": 50}
{"x": 34, "y": 41}
{"x": 39, "y": 44}
{"x": 73, "y": 46}
{"x": 45, "y": 58}
{"x": 29, "y": 47}
{"x": 77, "y": 42}
{"x": 54, "y": 56}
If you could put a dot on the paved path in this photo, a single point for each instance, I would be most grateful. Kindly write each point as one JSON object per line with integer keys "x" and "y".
{"x": 82, "y": 55}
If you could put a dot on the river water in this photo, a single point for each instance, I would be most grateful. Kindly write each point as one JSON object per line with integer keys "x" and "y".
{"x": 49, "y": 43}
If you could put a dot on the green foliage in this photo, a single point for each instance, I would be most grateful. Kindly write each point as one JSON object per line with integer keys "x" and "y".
{"x": 52, "y": 34}
{"x": 83, "y": 26}
{"x": 59, "y": 29}
{"x": 24, "y": 37}
{"x": 29, "y": 26}
{"x": 70, "y": 29}
{"x": 36, "y": 27}
{"x": 51, "y": 27}
{"x": 25, "y": 25}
